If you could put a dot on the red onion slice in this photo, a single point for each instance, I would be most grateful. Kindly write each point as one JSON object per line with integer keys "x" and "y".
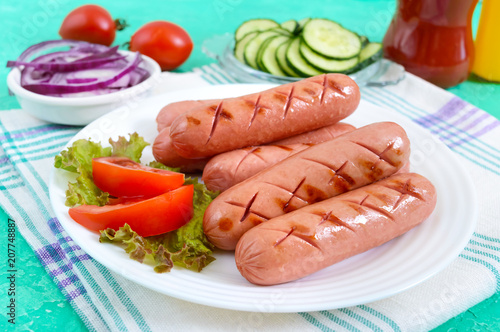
{"x": 78, "y": 46}
{"x": 50, "y": 88}
{"x": 84, "y": 68}
{"x": 65, "y": 66}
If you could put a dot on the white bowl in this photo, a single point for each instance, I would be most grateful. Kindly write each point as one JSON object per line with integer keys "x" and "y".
{"x": 81, "y": 111}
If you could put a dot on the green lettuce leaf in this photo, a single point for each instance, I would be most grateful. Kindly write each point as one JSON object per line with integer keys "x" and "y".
{"x": 187, "y": 246}
{"x": 156, "y": 164}
{"x": 78, "y": 159}
{"x": 131, "y": 148}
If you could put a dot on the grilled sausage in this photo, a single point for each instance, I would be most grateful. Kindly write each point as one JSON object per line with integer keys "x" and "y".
{"x": 218, "y": 176}
{"x": 169, "y": 112}
{"x": 264, "y": 117}
{"x": 319, "y": 135}
{"x": 322, "y": 171}
{"x": 164, "y": 152}
{"x": 229, "y": 168}
{"x": 302, "y": 242}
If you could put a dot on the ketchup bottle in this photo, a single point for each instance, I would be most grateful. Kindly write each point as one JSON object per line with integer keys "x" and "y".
{"x": 432, "y": 39}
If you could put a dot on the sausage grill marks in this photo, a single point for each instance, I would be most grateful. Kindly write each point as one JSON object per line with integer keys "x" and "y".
{"x": 169, "y": 112}
{"x": 229, "y": 168}
{"x": 302, "y": 242}
{"x": 312, "y": 175}
{"x": 319, "y": 203}
{"x": 288, "y": 109}
{"x": 262, "y": 109}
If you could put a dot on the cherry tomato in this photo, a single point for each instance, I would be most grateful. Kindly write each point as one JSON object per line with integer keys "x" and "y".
{"x": 90, "y": 23}
{"x": 153, "y": 216}
{"x": 165, "y": 42}
{"x": 122, "y": 177}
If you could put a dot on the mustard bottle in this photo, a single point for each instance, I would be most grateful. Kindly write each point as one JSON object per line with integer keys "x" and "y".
{"x": 487, "y": 45}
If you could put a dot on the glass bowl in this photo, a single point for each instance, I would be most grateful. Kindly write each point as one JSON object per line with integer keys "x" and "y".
{"x": 220, "y": 48}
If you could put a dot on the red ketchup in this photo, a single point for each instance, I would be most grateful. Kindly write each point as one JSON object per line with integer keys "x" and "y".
{"x": 432, "y": 39}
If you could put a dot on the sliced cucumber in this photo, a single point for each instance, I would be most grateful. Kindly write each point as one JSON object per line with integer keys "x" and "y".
{"x": 305, "y": 48}
{"x": 364, "y": 41}
{"x": 260, "y": 52}
{"x": 369, "y": 54}
{"x": 372, "y": 51}
{"x": 239, "y": 48}
{"x": 302, "y": 23}
{"x": 281, "y": 31}
{"x": 290, "y": 25}
{"x": 325, "y": 64}
{"x": 297, "y": 62}
{"x": 269, "y": 62}
{"x": 254, "y": 25}
{"x": 253, "y": 46}
{"x": 331, "y": 40}
{"x": 281, "y": 60}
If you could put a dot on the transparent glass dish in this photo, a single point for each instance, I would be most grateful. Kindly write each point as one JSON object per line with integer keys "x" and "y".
{"x": 220, "y": 48}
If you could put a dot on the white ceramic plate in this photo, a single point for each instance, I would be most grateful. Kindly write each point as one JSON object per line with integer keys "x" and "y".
{"x": 373, "y": 275}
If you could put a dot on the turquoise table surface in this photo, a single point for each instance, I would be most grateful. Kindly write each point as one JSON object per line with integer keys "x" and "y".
{"x": 40, "y": 305}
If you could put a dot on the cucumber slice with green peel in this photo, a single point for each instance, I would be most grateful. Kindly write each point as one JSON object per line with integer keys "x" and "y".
{"x": 239, "y": 48}
{"x": 269, "y": 61}
{"x": 290, "y": 25}
{"x": 281, "y": 31}
{"x": 297, "y": 62}
{"x": 302, "y": 23}
{"x": 262, "y": 47}
{"x": 304, "y": 48}
{"x": 331, "y": 40}
{"x": 364, "y": 41}
{"x": 253, "y": 46}
{"x": 325, "y": 64}
{"x": 369, "y": 54}
{"x": 254, "y": 25}
{"x": 281, "y": 60}
{"x": 372, "y": 51}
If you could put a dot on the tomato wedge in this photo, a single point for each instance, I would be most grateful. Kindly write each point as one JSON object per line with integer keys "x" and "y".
{"x": 122, "y": 177}
{"x": 153, "y": 216}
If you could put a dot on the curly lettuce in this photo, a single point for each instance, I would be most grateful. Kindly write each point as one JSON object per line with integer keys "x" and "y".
{"x": 78, "y": 159}
{"x": 186, "y": 247}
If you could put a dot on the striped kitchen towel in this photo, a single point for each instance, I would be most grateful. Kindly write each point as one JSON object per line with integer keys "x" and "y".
{"x": 107, "y": 301}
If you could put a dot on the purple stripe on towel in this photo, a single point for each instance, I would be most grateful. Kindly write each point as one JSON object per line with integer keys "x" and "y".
{"x": 75, "y": 293}
{"x": 455, "y": 123}
{"x": 476, "y": 122}
{"x": 63, "y": 269}
{"x": 55, "y": 226}
{"x": 53, "y": 253}
{"x": 68, "y": 281}
{"x": 31, "y": 132}
{"x": 4, "y": 160}
{"x": 475, "y": 135}
{"x": 450, "y": 109}
{"x": 467, "y": 127}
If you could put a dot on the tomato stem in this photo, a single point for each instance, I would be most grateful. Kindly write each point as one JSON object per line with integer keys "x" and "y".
{"x": 120, "y": 24}
{"x": 126, "y": 45}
